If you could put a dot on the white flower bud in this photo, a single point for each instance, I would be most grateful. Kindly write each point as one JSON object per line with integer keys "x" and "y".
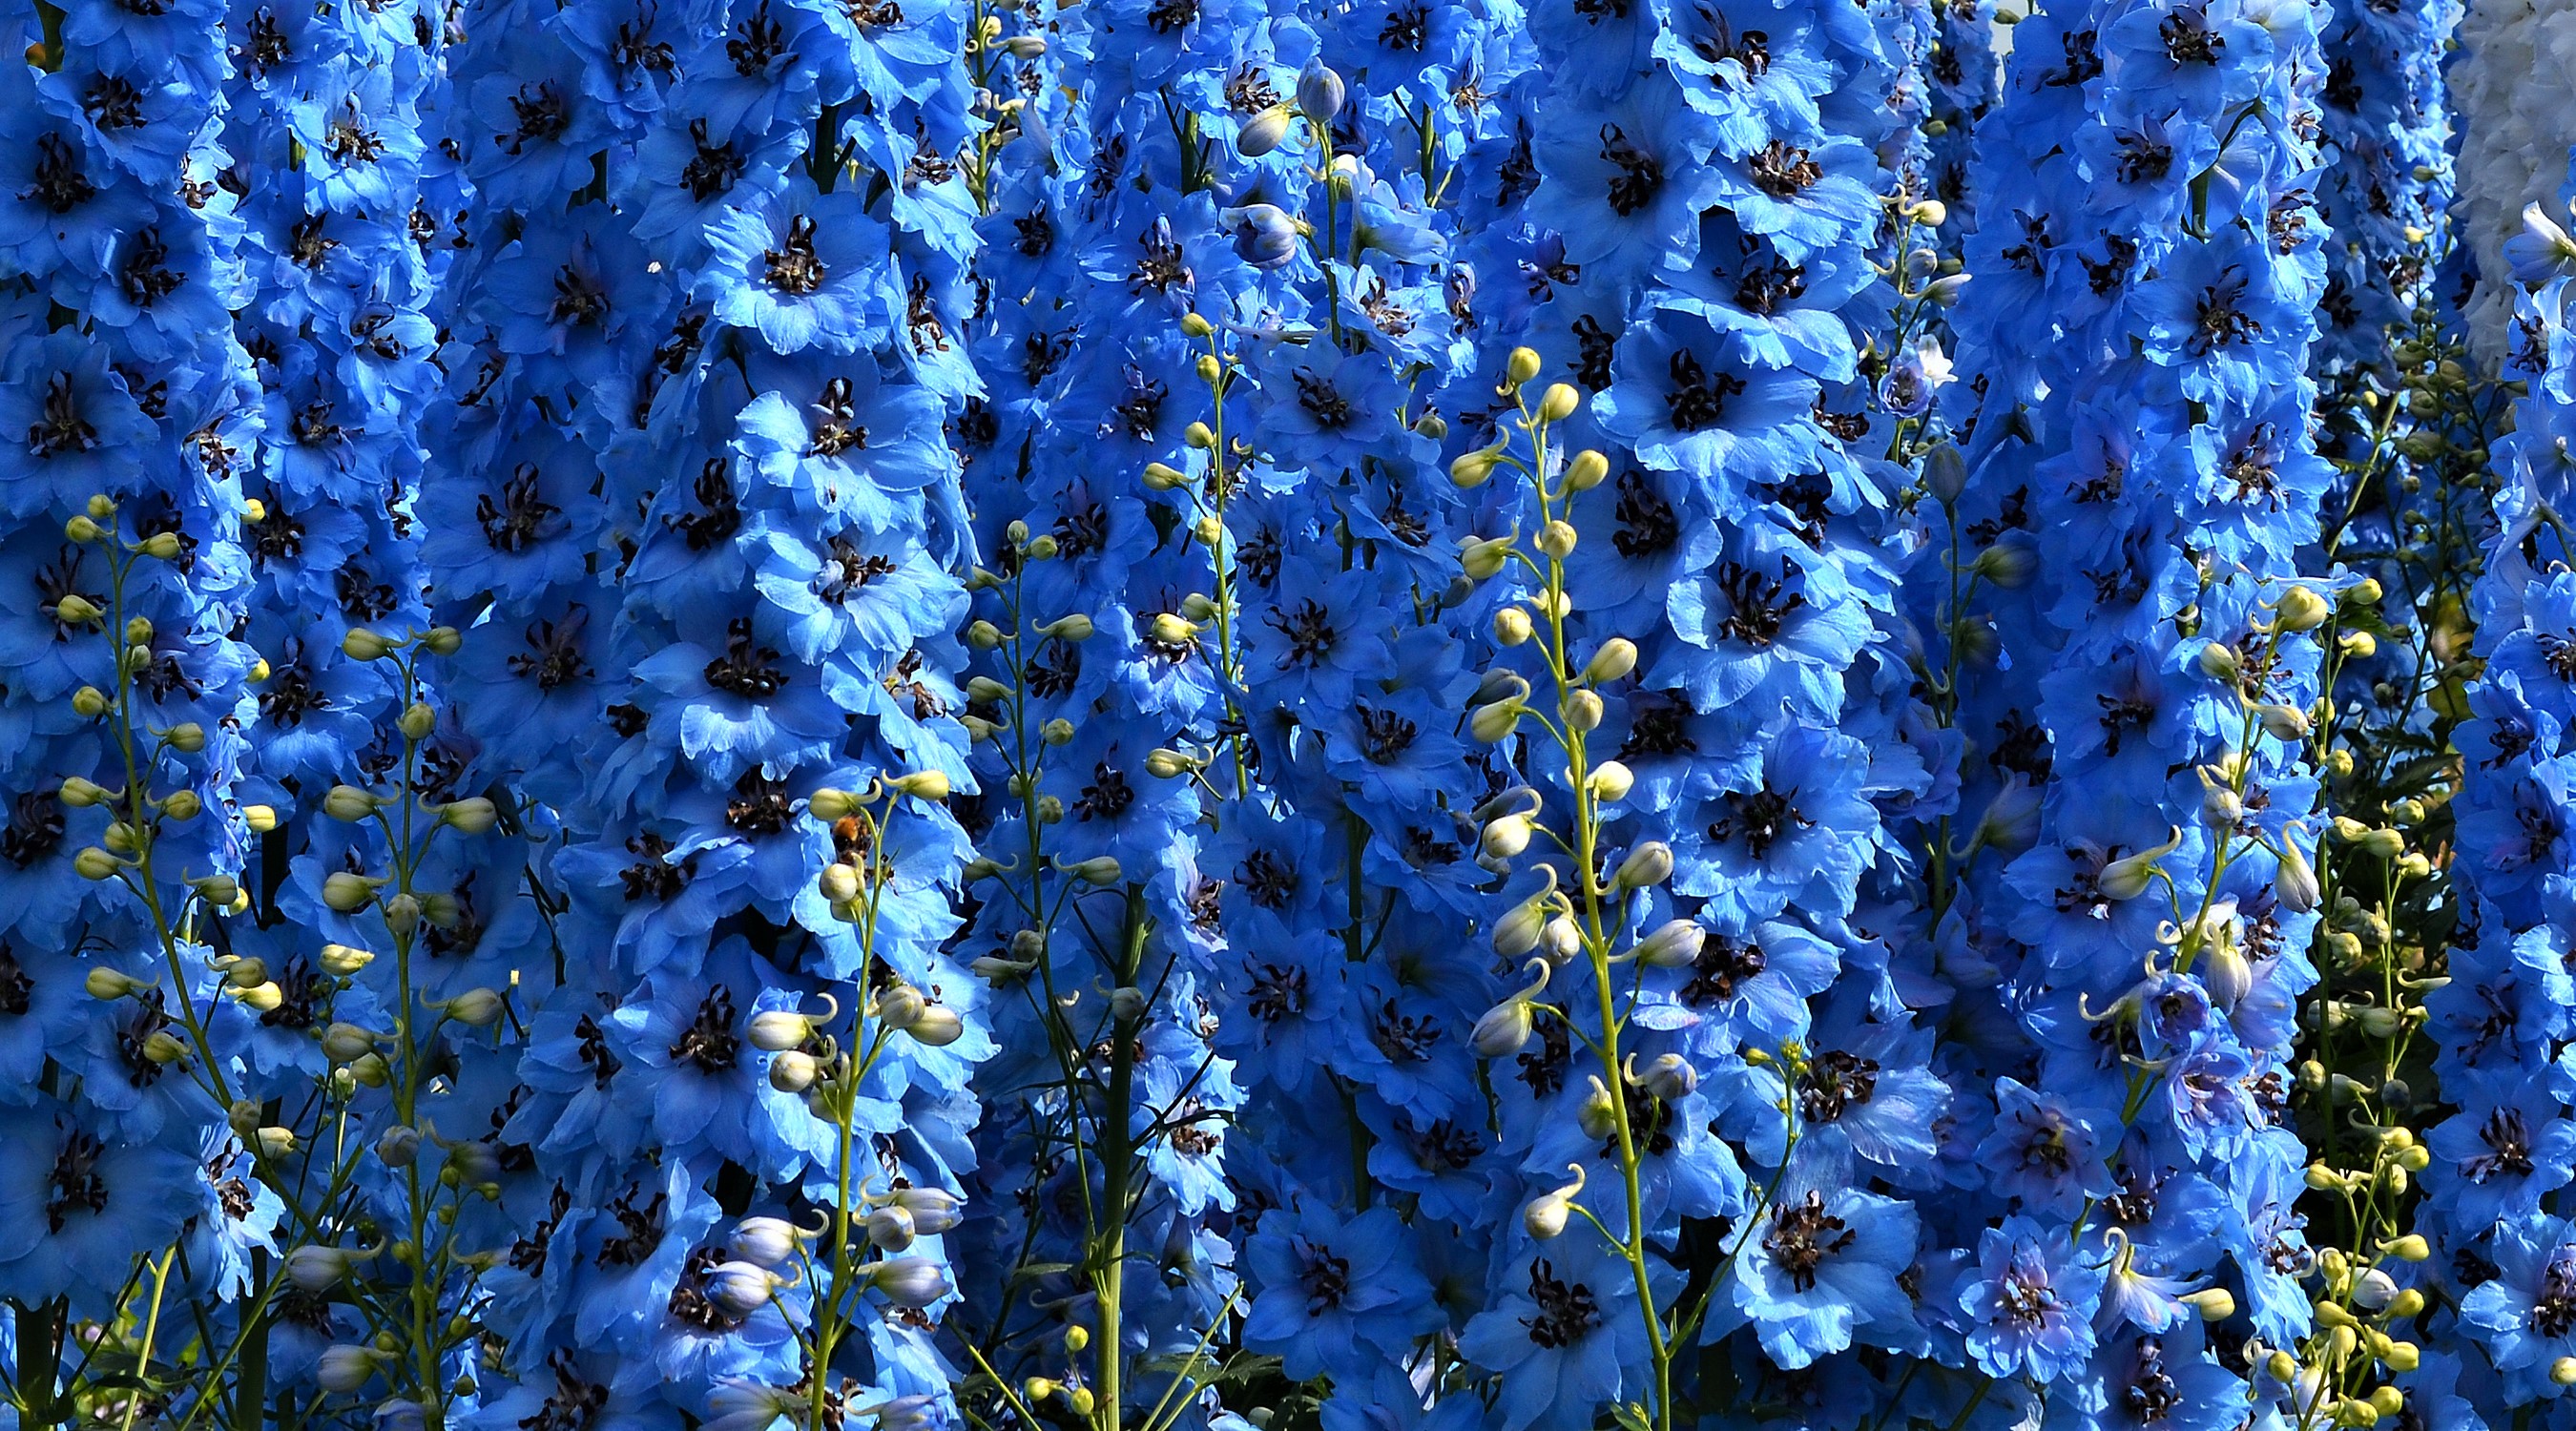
{"x": 105, "y": 983}
{"x": 1547, "y": 1214}
{"x": 1507, "y": 1027}
{"x": 1599, "y": 1115}
{"x": 475, "y": 1008}
{"x": 1471, "y": 469}
{"x": 2128, "y": 876}
{"x": 742, "y": 1288}
{"x": 1557, "y": 538}
{"x": 1505, "y": 838}
{"x": 1482, "y": 557}
{"x": 1675, "y": 945}
{"x": 1646, "y": 866}
{"x": 891, "y": 1228}
{"x": 473, "y": 815}
{"x": 1516, "y": 933}
{"x": 1669, "y": 1077}
{"x": 911, "y": 1281}
{"x": 319, "y": 1269}
{"x": 1099, "y": 870}
{"x": 1610, "y": 782}
{"x": 275, "y": 1142}
{"x": 399, "y": 1146}
{"x": 1584, "y": 710}
{"x": 1560, "y": 939}
{"x": 2300, "y": 609}
{"x": 346, "y": 1368}
{"x": 767, "y": 1241}
{"x": 938, "y": 1026}
{"x": 778, "y": 1030}
{"x": 348, "y": 893}
{"x": 261, "y": 998}
{"x": 1511, "y": 626}
{"x": 1495, "y": 721}
{"x": 347, "y": 1043}
{"x": 1074, "y": 628}
{"x": 793, "y": 1071}
{"x": 1264, "y": 132}
{"x": 341, "y": 961}
{"x": 1616, "y": 658}
{"x": 2219, "y": 662}
{"x": 838, "y": 883}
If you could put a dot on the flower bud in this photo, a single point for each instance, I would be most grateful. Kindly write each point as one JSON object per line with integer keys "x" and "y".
{"x": 1319, "y": 92}
{"x": 767, "y": 1241}
{"x": 1099, "y": 870}
{"x": 891, "y": 1228}
{"x": 1516, "y": 933}
{"x": 1559, "y": 402}
{"x": 264, "y": 997}
{"x": 475, "y": 1008}
{"x": 399, "y": 1146}
{"x": 921, "y": 784}
{"x": 1075, "y": 628}
{"x": 1470, "y": 469}
{"x": 347, "y": 1043}
{"x": 348, "y": 893}
{"x": 275, "y": 1142}
{"x": 2219, "y": 662}
{"x": 1521, "y": 365}
{"x": 2006, "y": 564}
{"x": 89, "y": 703}
{"x": 1675, "y": 945}
{"x": 1583, "y": 710}
{"x": 1161, "y": 477}
{"x": 259, "y": 819}
{"x": 778, "y": 1030}
{"x": 164, "y": 1048}
{"x": 1199, "y": 436}
{"x": 983, "y": 635}
{"x": 1265, "y": 237}
{"x": 1560, "y": 939}
{"x": 2215, "y": 1304}
{"x": 911, "y": 1281}
{"x": 2127, "y": 877}
{"x": 2410, "y": 1248}
{"x": 319, "y": 1269}
{"x": 1263, "y": 132}
{"x": 81, "y": 531}
{"x": 1610, "y": 782}
{"x": 1646, "y": 866}
{"x": 1511, "y": 626}
{"x": 1481, "y": 557}
{"x": 1506, "y": 837}
{"x": 938, "y": 1027}
{"x": 1616, "y": 658}
{"x": 793, "y": 1071}
{"x": 742, "y": 1288}
{"x": 1557, "y": 538}
{"x": 1586, "y": 471}
{"x": 2300, "y": 609}
{"x": 474, "y": 815}
{"x": 346, "y": 1368}
{"x": 182, "y": 805}
{"x": 1507, "y": 1027}
{"x": 1058, "y": 731}
{"x": 341, "y": 961}
{"x": 81, "y": 794}
{"x": 1496, "y": 720}
{"x": 1546, "y": 1215}
{"x": 74, "y": 609}
{"x": 1599, "y": 1113}
{"x": 1669, "y": 1077}
{"x": 94, "y": 863}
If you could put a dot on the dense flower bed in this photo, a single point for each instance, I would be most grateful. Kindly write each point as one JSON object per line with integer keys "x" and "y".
{"x": 1143, "y": 715}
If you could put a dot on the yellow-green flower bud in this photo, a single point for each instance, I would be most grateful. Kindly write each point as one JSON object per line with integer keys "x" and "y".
{"x": 1058, "y": 731}
{"x": 362, "y": 644}
{"x": 342, "y": 961}
{"x": 348, "y": 802}
{"x": 94, "y": 863}
{"x": 474, "y": 815}
{"x": 1559, "y": 402}
{"x": 1511, "y": 626}
{"x": 89, "y": 703}
{"x": 1506, "y": 837}
{"x": 181, "y": 806}
{"x": 1521, "y": 365}
{"x": 348, "y": 893}
{"x": 794, "y": 1071}
{"x": 1646, "y": 866}
{"x": 1099, "y": 870}
{"x": 347, "y": 1043}
{"x": 1199, "y": 435}
{"x": 475, "y": 1008}
{"x": 1162, "y": 477}
{"x": 1583, "y": 710}
{"x": 921, "y": 784}
{"x": 838, "y": 883}
{"x": 259, "y": 819}
{"x": 1483, "y": 557}
{"x": 1172, "y": 629}
{"x": 1586, "y": 471}
{"x": 81, "y": 794}
{"x": 1075, "y": 628}
{"x": 2300, "y": 609}
{"x": 1470, "y": 469}
{"x": 1610, "y": 782}
{"x": 161, "y": 546}
{"x": 1195, "y": 325}
{"x": 1042, "y": 547}
{"x": 983, "y": 635}
{"x": 1616, "y": 658}
{"x": 418, "y": 720}
{"x": 443, "y": 640}
{"x": 101, "y": 506}
{"x": 1209, "y": 369}
{"x": 81, "y": 531}
{"x": 105, "y": 983}
{"x": 74, "y": 609}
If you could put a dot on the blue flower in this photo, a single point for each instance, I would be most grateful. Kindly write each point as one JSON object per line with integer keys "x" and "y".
{"x": 2030, "y": 1304}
